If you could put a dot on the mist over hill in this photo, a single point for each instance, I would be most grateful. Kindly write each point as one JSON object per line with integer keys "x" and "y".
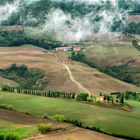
{"x": 69, "y": 20}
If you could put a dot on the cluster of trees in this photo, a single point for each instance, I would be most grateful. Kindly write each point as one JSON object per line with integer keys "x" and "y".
{"x": 121, "y": 96}
{"x": 12, "y": 38}
{"x": 77, "y": 56}
{"x": 43, "y": 7}
{"x": 82, "y": 97}
{"x": 74, "y": 8}
{"x": 135, "y": 43}
{"x": 129, "y": 95}
{"x": 132, "y": 28}
{"x": 108, "y": 98}
{"x": 21, "y": 74}
{"x": 124, "y": 73}
{"x": 16, "y": 38}
{"x": 132, "y": 5}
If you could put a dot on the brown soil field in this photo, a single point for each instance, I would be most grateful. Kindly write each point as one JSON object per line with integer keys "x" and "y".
{"x": 57, "y": 75}
{"x": 22, "y": 118}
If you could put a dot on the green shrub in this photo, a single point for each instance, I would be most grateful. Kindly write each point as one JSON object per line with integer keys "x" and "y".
{"x": 1, "y": 137}
{"x": 59, "y": 117}
{"x": 11, "y": 137}
{"x": 27, "y": 112}
{"x": 4, "y": 106}
{"x": 82, "y": 97}
{"x": 44, "y": 128}
{"x": 10, "y": 107}
{"x": 96, "y": 129}
{"x": 75, "y": 122}
{"x": 45, "y": 116}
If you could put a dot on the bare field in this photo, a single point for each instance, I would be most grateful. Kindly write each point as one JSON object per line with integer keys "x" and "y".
{"x": 57, "y": 75}
{"x": 21, "y": 118}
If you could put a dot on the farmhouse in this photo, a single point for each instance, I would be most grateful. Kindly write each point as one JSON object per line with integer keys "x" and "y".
{"x": 100, "y": 98}
{"x": 77, "y": 49}
{"x": 64, "y": 49}
{"x": 70, "y": 48}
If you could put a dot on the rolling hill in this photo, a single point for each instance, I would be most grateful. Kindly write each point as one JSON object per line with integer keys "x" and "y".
{"x": 58, "y": 76}
{"x": 117, "y": 58}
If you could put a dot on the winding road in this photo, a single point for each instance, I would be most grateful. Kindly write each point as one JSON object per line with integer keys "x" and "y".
{"x": 72, "y": 78}
{"x": 74, "y": 81}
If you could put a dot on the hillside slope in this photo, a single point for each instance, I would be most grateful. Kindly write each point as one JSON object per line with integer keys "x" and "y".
{"x": 57, "y": 75}
{"x": 117, "y": 58}
{"x": 7, "y": 81}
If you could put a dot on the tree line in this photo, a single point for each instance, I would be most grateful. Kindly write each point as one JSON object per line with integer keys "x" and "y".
{"x": 17, "y": 38}
{"x": 52, "y": 94}
{"x": 78, "y": 97}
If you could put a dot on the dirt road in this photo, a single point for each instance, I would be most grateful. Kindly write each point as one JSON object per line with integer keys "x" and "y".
{"x": 80, "y": 86}
{"x": 74, "y": 81}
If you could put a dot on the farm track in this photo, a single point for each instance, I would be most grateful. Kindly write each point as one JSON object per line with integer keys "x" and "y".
{"x": 72, "y": 78}
{"x": 74, "y": 81}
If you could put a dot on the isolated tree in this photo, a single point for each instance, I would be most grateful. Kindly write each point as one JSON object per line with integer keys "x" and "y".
{"x": 108, "y": 98}
{"x": 105, "y": 97}
{"x": 122, "y": 98}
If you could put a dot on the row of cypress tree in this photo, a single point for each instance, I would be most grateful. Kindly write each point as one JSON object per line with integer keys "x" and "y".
{"x": 53, "y": 94}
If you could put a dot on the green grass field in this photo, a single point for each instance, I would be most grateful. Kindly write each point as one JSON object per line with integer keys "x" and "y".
{"x": 7, "y": 127}
{"x": 109, "y": 120}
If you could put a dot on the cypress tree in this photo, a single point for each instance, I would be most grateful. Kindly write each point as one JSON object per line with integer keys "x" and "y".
{"x": 122, "y": 98}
